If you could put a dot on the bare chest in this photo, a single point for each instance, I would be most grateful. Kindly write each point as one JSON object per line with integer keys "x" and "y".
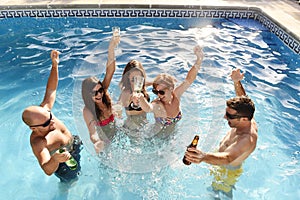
{"x": 227, "y": 142}
{"x": 58, "y": 138}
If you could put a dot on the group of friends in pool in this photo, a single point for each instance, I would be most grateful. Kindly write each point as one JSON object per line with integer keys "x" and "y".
{"x": 49, "y": 134}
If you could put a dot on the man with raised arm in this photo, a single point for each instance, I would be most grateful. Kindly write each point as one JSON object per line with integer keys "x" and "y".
{"x": 237, "y": 145}
{"x": 51, "y": 142}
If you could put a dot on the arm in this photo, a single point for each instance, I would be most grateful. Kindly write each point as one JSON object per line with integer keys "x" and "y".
{"x": 139, "y": 100}
{"x": 236, "y": 77}
{"x": 220, "y": 158}
{"x": 48, "y": 163}
{"x": 111, "y": 62}
{"x": 192, "y": 73}
{"x": 94, "y": 137}
{"x": 50, "y": 93}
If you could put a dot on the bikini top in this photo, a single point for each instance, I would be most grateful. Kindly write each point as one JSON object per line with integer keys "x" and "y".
{"x": 166, "y": 121}
{"x": 133, "y": 107}
{"x": 106, "y": 121}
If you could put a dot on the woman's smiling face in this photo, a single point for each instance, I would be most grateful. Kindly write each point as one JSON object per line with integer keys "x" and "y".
{"x": 97, "y": 93}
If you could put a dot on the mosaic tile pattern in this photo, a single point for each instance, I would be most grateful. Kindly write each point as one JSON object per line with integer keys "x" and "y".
{"x": 128, "y": 13}
{"x": 288, "y": 39}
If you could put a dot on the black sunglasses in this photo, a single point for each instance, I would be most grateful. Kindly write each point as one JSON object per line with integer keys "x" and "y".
{"x": 161, "y": 92}
{"x": 100, "y": 90}
{"x": 46, "y": 123}
{"x": 231, "y": 116}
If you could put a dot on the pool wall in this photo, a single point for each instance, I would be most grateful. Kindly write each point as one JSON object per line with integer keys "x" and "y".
{"x": 155, "y": 11}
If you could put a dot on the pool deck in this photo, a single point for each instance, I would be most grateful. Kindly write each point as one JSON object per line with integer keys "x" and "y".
{"x": 285, "y": 12}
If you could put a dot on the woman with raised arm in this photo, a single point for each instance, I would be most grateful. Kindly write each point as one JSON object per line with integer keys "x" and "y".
{"x": 97, "y": 111}
{"x": 166, "y": 107}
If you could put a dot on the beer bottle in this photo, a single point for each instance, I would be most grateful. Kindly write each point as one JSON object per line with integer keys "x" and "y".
{"x": 71, "y": 163}
{"x": 194, "y": 145}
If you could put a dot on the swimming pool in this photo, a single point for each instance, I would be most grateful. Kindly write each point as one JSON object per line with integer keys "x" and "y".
{"x": 162, "y": 45}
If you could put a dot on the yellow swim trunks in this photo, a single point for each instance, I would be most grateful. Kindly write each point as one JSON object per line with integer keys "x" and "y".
{"x": 224, "y": 178}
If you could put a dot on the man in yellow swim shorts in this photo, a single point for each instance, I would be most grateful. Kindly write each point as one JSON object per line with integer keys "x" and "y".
{"x": 238, "y": 143}
{"x": 225, "y": 178}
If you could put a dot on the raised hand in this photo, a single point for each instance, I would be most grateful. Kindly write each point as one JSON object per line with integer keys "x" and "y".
{"x": 199, "y": 53}
{"x": 236, "y": 75}
{"x": 55, "y": 56}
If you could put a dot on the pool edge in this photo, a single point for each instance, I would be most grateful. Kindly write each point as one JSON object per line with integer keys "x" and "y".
{"x": 291, "y": 39}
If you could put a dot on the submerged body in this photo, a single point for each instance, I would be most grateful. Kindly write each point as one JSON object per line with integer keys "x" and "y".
{"x": 240, "y": 141}
{"x": 49, "y": 134}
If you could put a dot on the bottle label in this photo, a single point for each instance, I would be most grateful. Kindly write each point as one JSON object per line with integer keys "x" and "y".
{"x": 71, "y": 163}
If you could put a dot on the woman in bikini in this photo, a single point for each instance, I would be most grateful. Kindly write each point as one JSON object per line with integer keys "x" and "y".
{"x": 166, "y": 107}
{"x": 136, "y": 116}
{"x": 97, "y": 111}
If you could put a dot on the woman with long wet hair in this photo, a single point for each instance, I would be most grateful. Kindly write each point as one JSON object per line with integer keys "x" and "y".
{"x": 133, "y": 69}
{"x": 136, "y": 116}
{"x": 97, "y": 111}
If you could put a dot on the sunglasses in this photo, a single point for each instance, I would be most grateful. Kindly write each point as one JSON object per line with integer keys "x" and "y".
{"x": 161, "y": 92}
{"x": 231, "y": 116}
{"x": 100, "y": 90}
{"x": 46, "y": 123}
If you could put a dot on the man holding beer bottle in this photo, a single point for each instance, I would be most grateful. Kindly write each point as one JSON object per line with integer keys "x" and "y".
{"x": 51, "y": 142}
{"x": 236, "y": 146}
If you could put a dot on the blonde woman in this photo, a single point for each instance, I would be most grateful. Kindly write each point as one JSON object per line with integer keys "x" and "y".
{"x": 166, "y": 107}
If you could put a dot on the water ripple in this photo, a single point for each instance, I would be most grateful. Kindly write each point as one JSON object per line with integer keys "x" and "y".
{"x": 271, "y": 80}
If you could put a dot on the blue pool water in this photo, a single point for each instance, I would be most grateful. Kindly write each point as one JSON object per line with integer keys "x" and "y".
{"x": 151, "y": 169}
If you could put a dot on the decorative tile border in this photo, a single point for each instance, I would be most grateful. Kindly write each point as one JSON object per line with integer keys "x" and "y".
{"x": 178, "y": 13}
{"x": 240, "y": 13}
{"x": 288, "y": 39}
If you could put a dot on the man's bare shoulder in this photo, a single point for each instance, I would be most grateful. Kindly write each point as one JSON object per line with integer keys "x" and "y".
{"x": 254, "y": 126}
{"x": 248, "y": 139}
{"x": 252, "y": 135}
{"x": 34, "y": 138}
{"x": 37, "y": 143}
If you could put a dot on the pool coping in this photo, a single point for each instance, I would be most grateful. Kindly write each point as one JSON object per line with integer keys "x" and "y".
{"x": 291, "y": 39}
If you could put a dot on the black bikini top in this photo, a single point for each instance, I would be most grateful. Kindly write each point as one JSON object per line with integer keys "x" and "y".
{"x": 133, "y": 107}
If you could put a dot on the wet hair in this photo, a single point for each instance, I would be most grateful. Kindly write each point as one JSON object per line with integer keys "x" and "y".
{"x": 132, "y": 66}
{"x": 165, "y": 79}
{"x": 243, "y": 105}
{"x": 88, "y": 85}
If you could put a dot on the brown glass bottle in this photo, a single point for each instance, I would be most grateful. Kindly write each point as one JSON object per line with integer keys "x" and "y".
{"x": 193, "y": 145}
